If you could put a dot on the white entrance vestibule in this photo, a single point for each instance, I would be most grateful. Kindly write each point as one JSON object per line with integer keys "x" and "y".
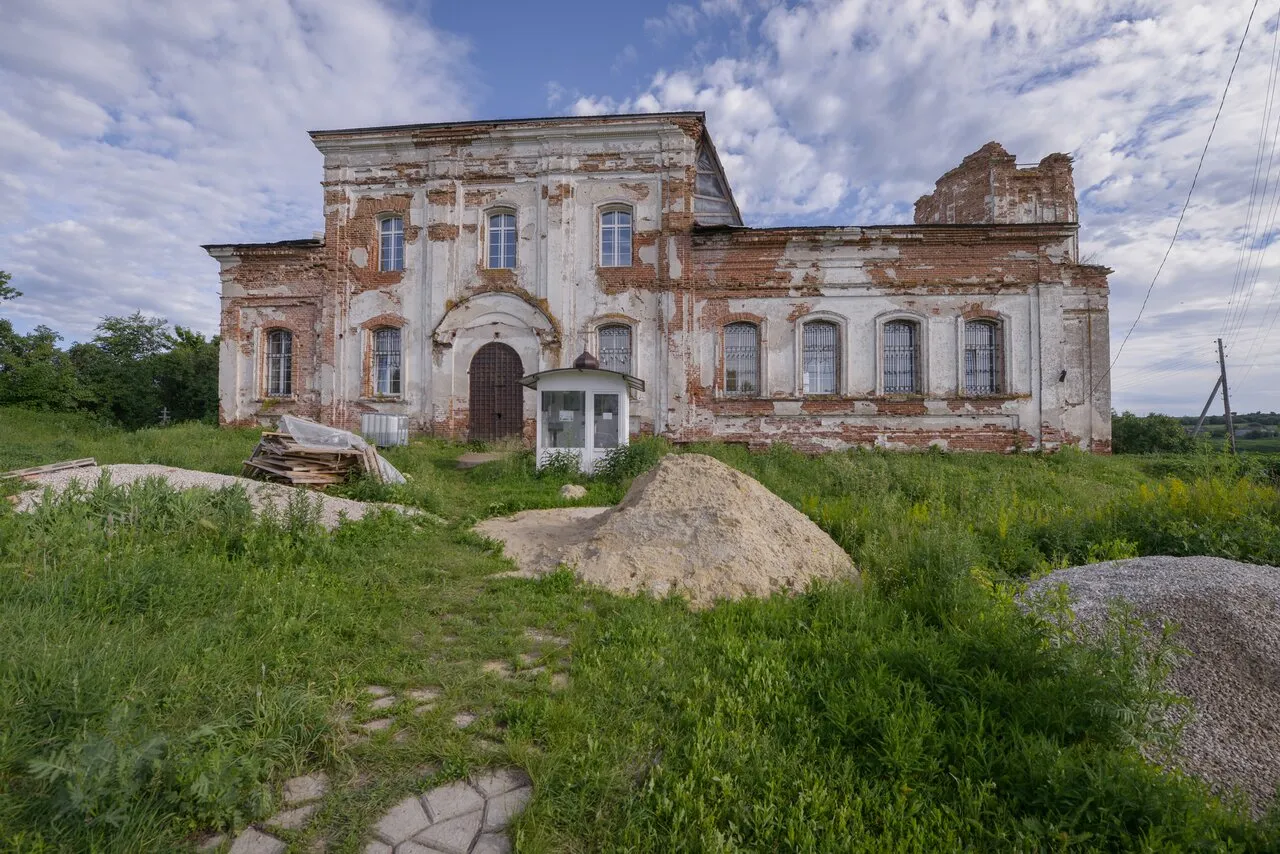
{"x": 583, "y": 411}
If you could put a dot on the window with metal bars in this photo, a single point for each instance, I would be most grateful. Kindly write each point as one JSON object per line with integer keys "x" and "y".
{"x": 391, "y": 256}
{"x": 615, "y": 238}
{"x": 502, "y": 241}
{"x": 821, "y": 357}
{"x": 982, "y": 357}
{"x": 901, "y": 357}
{"x": 615, "y": 347}
{"x": 279, "y": 363}
{"x": 742, "y": 359}
{"x": 386, "y": 361}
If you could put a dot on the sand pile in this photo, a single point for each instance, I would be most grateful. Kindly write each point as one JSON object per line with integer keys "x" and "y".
{"x": 1229, "y": 614}
{"x": 691, "y": 525}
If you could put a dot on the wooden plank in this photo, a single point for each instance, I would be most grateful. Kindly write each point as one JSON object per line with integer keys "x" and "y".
{"x": 62, "y": 466}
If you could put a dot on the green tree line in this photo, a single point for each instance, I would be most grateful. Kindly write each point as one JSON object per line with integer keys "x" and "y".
{"x": 134, "y": 369}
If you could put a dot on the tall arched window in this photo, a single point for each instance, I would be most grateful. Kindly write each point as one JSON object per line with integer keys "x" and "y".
{"x": 615, "y": 238}
{"x": 615, "y": 347}
{"x": 386, "y": 361}
{"x": 983, "y": 370}
{"x": 821, "y": 357}
{"x": 279, "y": 363}
{"x": 391, "y": 254}
{"x": 502, "y": 241}
{"x": 901, "y": 357}
{"x": 742, "y": 359}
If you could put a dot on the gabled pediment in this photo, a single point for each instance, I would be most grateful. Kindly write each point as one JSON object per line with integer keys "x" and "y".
{"x": 713, "y": 202}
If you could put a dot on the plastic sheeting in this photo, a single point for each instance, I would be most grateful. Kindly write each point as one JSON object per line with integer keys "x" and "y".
{"x": 311, "y": 434}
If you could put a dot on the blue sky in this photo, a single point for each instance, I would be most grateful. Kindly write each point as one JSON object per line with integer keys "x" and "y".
{"x": 133, "y": 132}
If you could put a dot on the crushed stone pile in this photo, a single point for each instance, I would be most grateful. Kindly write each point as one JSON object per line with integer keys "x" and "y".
{"x": 692, "y": 525}
{"x": 1229, "y": 614}
{"x": 261, "y": 495}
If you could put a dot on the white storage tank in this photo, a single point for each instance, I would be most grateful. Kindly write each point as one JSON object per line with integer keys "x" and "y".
{"x": 385, "y": 430}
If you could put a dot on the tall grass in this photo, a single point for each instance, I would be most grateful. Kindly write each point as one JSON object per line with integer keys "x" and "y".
{"x": 169, "y": 658}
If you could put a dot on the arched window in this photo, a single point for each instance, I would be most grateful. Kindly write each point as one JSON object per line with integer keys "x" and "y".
{"x": 901, "y": 357}
{"x": 983, "y": 367}
{"x": 279, "y": 363}
{"x": 391, "y": 256}
{"x": 742, "y": 359}
{"x": 502, "y": 241}
{"x": 821, "y": 357}
{"x": 615, "y": 238}
{"x": 615, "y": 347}
{"x": 386, "y": 361}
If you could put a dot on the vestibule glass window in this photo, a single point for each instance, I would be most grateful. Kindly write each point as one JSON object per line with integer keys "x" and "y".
{"x": 615, "y": 239}
{"x": 742, "y": 359}
{"x": 901, "y": 357}
{"x": 981, "y": 357}
{"x": 279, "y": 363}
{"x": 564, "y": 419}
{"x": 502, "y": 241}
{"x": 605, "y": 425}
{"x": 821, "y": 356}
{"x": 391, "y": 258}
{"x": 615, "y": 348}
{"x": 386, "y": 361}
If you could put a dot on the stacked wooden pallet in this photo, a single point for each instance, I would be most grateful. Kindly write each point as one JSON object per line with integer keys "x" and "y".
{"x": 280, "y": 458}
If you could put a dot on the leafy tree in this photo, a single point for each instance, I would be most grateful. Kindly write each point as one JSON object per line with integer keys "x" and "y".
{"x": 34, "y": 371}
{"x": 7, "y": 291}
{"x": 188, "y": 376}
{"x": 1150, "y": 434}
{"x": 119, "y": 368}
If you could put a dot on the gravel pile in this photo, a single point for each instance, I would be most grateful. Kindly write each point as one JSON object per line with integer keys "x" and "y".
{"x": 1229, "y": 614}
{"x": 260, "y": 494}
{"x": 691, "y": 525}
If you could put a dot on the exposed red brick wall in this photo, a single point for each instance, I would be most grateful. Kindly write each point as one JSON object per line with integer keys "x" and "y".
{"x": 988, "y": 187}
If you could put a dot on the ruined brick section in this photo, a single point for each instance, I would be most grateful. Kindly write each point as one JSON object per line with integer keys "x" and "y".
{"x": 989, "y": 188}
{"x": 994, "y": 243}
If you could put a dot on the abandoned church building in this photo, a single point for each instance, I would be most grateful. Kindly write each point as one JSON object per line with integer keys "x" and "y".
{"x": 459, "y": 258}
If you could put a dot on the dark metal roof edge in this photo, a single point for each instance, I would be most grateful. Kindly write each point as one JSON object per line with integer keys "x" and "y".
{"x": 698, "y": 114}
{"x": 930, "y": 226}
{"x": 531, "y": 380}
{"x": 309, "y": 242}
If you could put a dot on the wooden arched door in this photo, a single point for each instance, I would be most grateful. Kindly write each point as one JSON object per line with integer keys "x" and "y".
{"x": 497, "y": 398}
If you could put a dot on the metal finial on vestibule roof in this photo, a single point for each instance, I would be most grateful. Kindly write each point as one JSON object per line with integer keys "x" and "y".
{"x": 586, "y": 362}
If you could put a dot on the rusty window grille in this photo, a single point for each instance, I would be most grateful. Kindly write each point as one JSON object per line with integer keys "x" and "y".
{"x": 391, "y": 258}
{"x": 901, "y": 357}
{"x": 386, "y": 361}
{"x": 982, "y": 369}
{"x": 279, "y": 363}
{"x": 615, "y": 348}
{"x": 821, "y": 357}
{"x": 615, "y": 239}
{"x": 742, "y": 359}
{"x": 502, "y": 241}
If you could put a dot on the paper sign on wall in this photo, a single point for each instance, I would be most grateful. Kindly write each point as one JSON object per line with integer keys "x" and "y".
{"x": 566, "y": 415}
{"x": 608, "y": 416}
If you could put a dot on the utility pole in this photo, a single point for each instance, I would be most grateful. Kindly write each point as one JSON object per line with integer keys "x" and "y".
{"x": 1226, "y": 398}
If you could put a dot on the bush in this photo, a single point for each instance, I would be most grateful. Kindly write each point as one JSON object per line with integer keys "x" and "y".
{"x": 1150, "y": 434}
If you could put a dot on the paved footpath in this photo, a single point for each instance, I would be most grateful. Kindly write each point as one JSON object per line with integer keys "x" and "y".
{"x": 463, "y": 817}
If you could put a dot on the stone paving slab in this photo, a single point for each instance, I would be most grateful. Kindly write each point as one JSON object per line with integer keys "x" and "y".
{"x": 453, "y": 836}
{"x": 454, "y": 799}
{"x": 500, "y": 810}
{"x": 500, "y": 781}
{"x": 311, "y": 787}
{"x": 293, "y": 819}
{"x": 492, "y": 843}
{"x": 254, "y": 841}
{"x": 402, "y": 821}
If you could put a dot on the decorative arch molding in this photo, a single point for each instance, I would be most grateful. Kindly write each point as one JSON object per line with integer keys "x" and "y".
{"x": 921, "y": 322}
{"x": 387, "y": 320}
{"x": 505, "y": 309}
{"x": 843, "y": 363}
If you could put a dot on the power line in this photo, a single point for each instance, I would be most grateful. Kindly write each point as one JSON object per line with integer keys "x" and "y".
{"x": 1178, "y": 225}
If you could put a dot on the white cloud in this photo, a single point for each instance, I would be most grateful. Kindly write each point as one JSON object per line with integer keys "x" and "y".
{"x": 135, "y": 132}
{"x": 849, "y": 109}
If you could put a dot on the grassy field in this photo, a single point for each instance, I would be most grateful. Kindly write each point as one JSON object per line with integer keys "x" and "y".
{"x": 169, "y": 659}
